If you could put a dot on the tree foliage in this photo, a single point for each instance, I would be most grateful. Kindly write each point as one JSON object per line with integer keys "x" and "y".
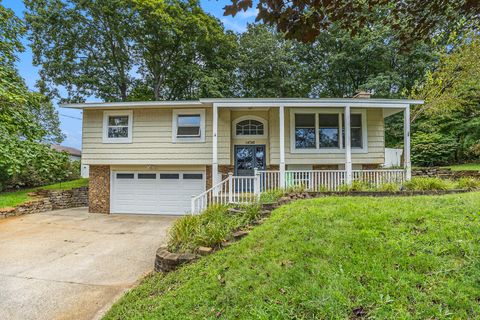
{"x": 452, "y": 101}
{"x": 130, "y": 49}
{"x": 411, "y": 19}
{"x": 83, "y": 47}
{"x": 28, "y": 120}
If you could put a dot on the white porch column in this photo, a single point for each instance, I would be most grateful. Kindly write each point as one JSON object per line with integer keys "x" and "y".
{"x": 281, "y": 110}
{"x": 406, "y": 136}
{"x": 348, "y": 147}
{"x": 215, "y": 146}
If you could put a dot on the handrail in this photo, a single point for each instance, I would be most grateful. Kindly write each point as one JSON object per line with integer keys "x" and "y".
{"x": 234, "y": 189}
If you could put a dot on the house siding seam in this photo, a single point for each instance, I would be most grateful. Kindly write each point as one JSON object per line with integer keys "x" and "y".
{"x": 99, "y": 189}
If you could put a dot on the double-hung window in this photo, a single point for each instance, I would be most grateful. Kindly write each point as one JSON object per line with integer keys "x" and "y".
{"x": 323, "y": 130}
{"x": 188, "y": 125}
{"x": 117, "y": 126}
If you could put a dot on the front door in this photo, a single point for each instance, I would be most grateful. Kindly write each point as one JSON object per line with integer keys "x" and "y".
{"x": 249, "y": 157}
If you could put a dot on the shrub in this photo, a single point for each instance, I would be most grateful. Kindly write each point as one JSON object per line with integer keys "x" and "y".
{"x": 430, "y": 149}
{"x": 357, "y": 186}
{"x": 427, "y": 183}
{"x": 298, "y": 188}
{"x": 468, "y": 183}
{"x": 271, "y": 195}
{"x": 209, "y": 228}
{"x": 389, "y": 187}
{"x": 31, "y": 164}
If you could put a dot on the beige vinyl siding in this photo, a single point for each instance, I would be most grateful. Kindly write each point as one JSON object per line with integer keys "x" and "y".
{"x": 376, "y": 144}
{"x": 152, "y": 140}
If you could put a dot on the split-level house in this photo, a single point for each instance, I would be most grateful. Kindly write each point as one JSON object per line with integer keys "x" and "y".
{"x": 164, "y": 157}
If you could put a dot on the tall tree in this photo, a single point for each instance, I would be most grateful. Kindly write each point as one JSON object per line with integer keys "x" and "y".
{"x": 184, "y": 52}
{"x": 83, "y": 47}
{"x": 269, "y": 65}
{"x": 412, "y": 19}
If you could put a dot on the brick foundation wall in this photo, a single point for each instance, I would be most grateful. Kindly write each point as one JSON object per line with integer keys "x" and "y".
{"x": 99, "y": 189}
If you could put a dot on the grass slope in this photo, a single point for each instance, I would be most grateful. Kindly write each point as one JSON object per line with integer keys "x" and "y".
{"x": 465, "y": 166}
{"x": 416, "y": 257}
{"x": 12, "y": 199}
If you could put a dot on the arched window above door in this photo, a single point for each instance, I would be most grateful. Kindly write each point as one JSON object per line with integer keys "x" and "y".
{"x": 251, "y": 126}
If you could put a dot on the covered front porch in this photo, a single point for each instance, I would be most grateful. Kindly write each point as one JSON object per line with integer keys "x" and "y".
{"x": 286, "y": 141}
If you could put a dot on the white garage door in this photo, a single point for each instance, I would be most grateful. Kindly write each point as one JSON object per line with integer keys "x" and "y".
{"x": 155, "y": 192}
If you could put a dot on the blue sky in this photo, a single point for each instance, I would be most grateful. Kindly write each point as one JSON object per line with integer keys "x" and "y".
{"x": 71, "y": 124}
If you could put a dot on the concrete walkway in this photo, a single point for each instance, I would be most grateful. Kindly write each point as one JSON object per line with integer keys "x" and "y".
{"x": 69, "y": 264}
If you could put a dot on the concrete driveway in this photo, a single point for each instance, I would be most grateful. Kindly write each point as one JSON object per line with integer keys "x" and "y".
{"x": 69, "y": 264}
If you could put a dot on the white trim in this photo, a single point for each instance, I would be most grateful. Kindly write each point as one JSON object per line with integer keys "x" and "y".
{"x": 340, "y": 149}
{"x": 254, "y": 103}
{"x": 281, "y": 112}
{"x": 176, "y": 113}
{"x": 215, "y": 178}
{"x": 406, "y": 137}
{"x": 348, "y": 146}
{"x": 250, "y": 117}
{"x": 106, "y": 114}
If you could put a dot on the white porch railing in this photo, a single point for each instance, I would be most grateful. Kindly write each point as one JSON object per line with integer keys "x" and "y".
{"x": 379, "y": 177}
{"x": 234, "y": 189}
{"x": 247, "y": 189}
{"x": 328, "y": 180}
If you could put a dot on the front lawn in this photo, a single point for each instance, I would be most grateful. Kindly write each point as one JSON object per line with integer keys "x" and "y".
{"x": 412, "y": 257}
{"x": 465, "y": 166}
{"x": 12, "y": 199}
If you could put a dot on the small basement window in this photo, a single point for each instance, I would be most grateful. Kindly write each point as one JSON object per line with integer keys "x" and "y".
{"x": 192, "y": 176}
{"x": 169, "y": 176}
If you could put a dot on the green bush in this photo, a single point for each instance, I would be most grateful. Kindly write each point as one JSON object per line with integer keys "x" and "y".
{"x": 427, "y": 183}
{"x": 389, "y": 187}
{"x": 357, "y": 186}
{"x": 25, "y": 164}
{"x": 209, "y": 228}
{"x": 429, "y": 149}
{"x": 271, "y": 195}
{"x": 468, "y": 183}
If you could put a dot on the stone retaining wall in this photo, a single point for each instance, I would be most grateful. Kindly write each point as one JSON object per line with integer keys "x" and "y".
{"x": 47, "y": 200}
{"x": 444, "y": 173}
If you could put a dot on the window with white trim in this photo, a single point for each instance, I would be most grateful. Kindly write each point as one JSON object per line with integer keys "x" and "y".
{"x": 117, "y": 126}
{"x": 323, "y": 130}
{"x": 188, "y": 125}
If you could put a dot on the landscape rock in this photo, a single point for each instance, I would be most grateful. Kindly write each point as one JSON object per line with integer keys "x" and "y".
{"x": 47, "y": 200}
{"x": 204, "y": 250}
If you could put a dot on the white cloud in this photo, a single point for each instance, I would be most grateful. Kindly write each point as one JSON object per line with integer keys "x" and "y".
{"x": 250, "y": 13}
{"x": 231, "y": 24}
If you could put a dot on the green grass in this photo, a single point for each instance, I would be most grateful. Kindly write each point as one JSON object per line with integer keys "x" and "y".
{"x": 332, "y": 258}
{"x": 12, "y": 199}
{"x": 465, "y": 167}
